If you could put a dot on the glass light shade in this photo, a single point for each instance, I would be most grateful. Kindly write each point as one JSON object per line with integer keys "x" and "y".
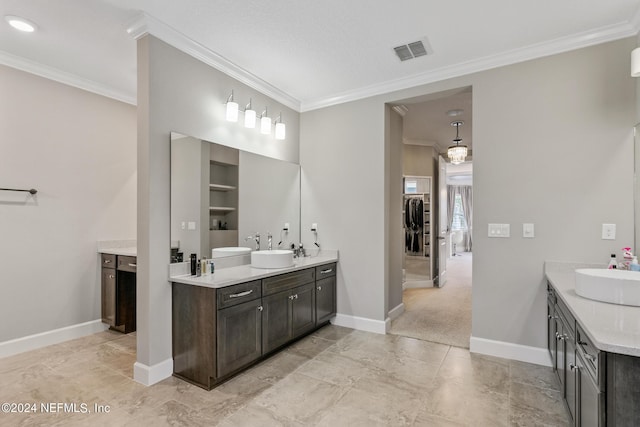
{"x": 265, "y": 125}
{"x": 249, "y": 118}
{"x": 280, "y": 130}
{"x": 457, "y": 153}
{"x": 232, "y": 111}
{"x": 635, "y": 62}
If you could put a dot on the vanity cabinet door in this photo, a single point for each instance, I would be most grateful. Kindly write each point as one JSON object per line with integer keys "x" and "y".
{"x": 560, "y": 354}
{"x": 239, "y": 336}
{"x": 570, "y": 374}
{"x": 326, "y": 299}
{"x": 303, "y": 309}
{"x": 109, "y": 296}
{"x": 276, "y": 318}
{"x": 590, "y": 400}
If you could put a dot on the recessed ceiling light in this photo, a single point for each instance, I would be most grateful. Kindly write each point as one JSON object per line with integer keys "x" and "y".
{"x": 20, "y": 23}
{"x": 455, "y": 113}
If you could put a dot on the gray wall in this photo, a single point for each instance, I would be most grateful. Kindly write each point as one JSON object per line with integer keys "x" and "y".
{"x": 552, "y": 146}
{"x": 179, "y": 93}
{"x": 78, "y": 150}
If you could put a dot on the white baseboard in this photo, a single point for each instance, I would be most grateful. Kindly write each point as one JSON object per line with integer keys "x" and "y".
{"x": 149, "y": 375}
{"x": 360, "y": 323}
{"x": 506, "y": 350}
{"x": 416, "y": 284}
{"x": 395, "y": 312}
{"x": 56, "y": 336}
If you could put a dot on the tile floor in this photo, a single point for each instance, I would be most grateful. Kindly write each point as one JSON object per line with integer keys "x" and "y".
{"x": 334, "y": 377}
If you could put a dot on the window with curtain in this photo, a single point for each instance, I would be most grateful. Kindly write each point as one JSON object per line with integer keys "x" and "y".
{"x": 459, "y": 221}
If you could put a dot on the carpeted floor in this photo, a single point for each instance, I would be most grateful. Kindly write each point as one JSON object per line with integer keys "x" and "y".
{"x": 441, "y": 315}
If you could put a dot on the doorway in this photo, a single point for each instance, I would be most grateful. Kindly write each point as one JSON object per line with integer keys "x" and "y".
{"x": 438, "y": 307}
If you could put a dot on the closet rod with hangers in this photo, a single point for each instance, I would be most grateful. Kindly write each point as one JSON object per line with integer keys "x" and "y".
{"x": 31, "y": 191}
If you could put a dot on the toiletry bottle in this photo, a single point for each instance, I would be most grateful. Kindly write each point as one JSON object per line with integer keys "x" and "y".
{"x": 613, "y": 263}
{"x": 212, "y": 267}
{"x": 634, "y": 266}
{"x": 198, "y": 269}
{"x": 203, "y": 265}
{"x": 193, "y": 258}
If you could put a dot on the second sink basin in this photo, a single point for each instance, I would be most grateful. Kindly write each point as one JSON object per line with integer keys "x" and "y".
{"x": 613, "y": 286}
{"x": 279, "y": 258}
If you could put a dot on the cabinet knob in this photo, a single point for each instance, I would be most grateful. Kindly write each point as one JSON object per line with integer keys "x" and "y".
{"x": 107, "y": 261}
{"x": 590, "y": 357}
{"x": 296, "y": 296}
{"x": 319, "y": 288}
{"x": 573, "y": 367}
{"x": 260, "y": 308}
{"x": 111, "y": 276}
{"x": 291, "y": 297}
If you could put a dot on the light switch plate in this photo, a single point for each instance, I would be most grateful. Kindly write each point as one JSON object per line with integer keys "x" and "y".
{"x": 499, "y": 230}
{"x": 191, "y": 225}
{"x": 608, "y": 232}
{"x": 528, "y": 231}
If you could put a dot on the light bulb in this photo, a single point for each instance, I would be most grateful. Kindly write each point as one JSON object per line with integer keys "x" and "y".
{"x": 232, "y": 111}
{"x": 265, "y": 125}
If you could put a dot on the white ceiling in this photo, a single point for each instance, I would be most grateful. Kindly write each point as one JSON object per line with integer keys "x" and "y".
{"x": 312, "y": 52}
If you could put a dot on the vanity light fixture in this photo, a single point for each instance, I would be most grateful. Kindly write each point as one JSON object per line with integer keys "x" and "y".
{"x": 457, "y": 153}
{"x": 265, "y": 123}
{"x": 20, "y": 23}
{"x": 232, "y": 109}
{"x": 249, "y": 116}
{"x": 280, "y": 128}
{"x": 635, "y": 62}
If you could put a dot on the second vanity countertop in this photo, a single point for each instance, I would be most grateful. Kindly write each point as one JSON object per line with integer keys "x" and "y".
{"x": 611, "y": 327}
{"x": 130, "y": 251}
{"x": 245, "y": 273}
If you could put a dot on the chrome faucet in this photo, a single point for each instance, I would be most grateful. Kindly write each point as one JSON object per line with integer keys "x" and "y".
{"x": 269, "y": 241}
{"x": 256, "y": 237}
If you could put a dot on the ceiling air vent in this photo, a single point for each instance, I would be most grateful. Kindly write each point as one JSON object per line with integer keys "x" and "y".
{"x": 413, "y": 50}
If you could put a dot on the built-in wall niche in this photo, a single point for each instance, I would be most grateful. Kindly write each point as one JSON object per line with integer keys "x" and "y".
{"x": 220, "y": 195}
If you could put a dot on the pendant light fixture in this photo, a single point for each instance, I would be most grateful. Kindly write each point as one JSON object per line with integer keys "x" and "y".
{"x": 265, "y": 123}
{"x": 457, "y": 153}
{"x": 280, "y": 128}
{"x": 232, "y": 109}
{"x": 249, "y": 116}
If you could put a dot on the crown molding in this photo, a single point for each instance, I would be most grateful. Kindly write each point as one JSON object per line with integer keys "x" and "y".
{"x": 64, "y": 77}
{"x": 147, "y": 24}
{"x": 538, "y": 50}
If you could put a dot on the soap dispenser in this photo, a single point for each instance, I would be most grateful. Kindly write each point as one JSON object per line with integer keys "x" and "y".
{"x": 613, "y": 263}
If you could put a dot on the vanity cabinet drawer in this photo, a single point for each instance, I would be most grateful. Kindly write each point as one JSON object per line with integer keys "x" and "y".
{"x": 108, "y": 260}
{"x": 283, "y": 282}
{"x": 593, "y": 358}
{"x": 127, "y": 263}
{"x": 237, "y": 294}
{"x": 326, "y": 270}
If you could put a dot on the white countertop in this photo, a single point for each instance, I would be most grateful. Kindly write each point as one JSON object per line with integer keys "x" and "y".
{"x": 611, "y": 327}
{"x": 130, "y": 251}
{"x": 245, "y": 273}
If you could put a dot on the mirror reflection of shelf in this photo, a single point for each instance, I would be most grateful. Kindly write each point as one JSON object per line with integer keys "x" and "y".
{"x": 221, "y": 187}
{"x": 221, "y": 209}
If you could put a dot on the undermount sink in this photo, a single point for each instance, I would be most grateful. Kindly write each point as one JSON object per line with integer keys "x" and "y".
{"x": 229, "y": 251}
{"x": 279, "y": 258}
{"x": 613, "y": 286}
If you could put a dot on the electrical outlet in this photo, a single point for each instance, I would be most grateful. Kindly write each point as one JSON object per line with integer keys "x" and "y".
{"x": 608, "y": 232}
{"x": 528, "y": 231}
{"x": 314, "y": 226}
{"x": 286, "y": 226}
{"x": 499, "y": 230}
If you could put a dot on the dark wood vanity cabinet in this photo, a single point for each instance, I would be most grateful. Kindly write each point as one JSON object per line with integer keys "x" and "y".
{"x": 118, "y": 292}
{"x": 325, "y": 293}
{"x": 219, "y": 332}
{"x": 289, "y": 307}
{"x": 239, "y": 326}
{"x": 600, "y": 388}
